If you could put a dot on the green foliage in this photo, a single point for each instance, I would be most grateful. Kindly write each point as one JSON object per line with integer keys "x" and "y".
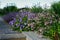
{"x": 36, "y": 9}
{"x": 50, "y": 10}
{"x": 50, "y": 31}
{"x": 8, "y": 9}
{"x": 56, "y": 7}
{"x": 59, "y": 30}
{"x": 24, "y": 19}
{"x": 1, "y": 12}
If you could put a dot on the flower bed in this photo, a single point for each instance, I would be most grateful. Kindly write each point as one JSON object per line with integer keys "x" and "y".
{"x": 28, "y": 22}
{"x": 23, "y": 22}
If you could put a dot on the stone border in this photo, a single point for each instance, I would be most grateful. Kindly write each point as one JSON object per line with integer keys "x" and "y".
{"x": 12, "y": 36}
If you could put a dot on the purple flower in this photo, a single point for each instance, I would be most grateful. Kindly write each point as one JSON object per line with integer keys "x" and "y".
{"x": 21, "y": 26}
{"x": 14, "y": 19}
{"x": 20, "y": 19}
{"x": 11, "y": 22}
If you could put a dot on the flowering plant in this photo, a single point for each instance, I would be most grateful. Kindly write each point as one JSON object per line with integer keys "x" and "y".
{"x": 21, "y": 22}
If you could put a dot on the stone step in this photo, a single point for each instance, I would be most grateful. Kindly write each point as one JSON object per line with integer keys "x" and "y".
{"x": 34, "y": 36}
{"x": 12, "y": 36}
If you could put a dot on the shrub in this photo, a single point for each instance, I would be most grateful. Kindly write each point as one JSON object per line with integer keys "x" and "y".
{"x": 36, "y": 9}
